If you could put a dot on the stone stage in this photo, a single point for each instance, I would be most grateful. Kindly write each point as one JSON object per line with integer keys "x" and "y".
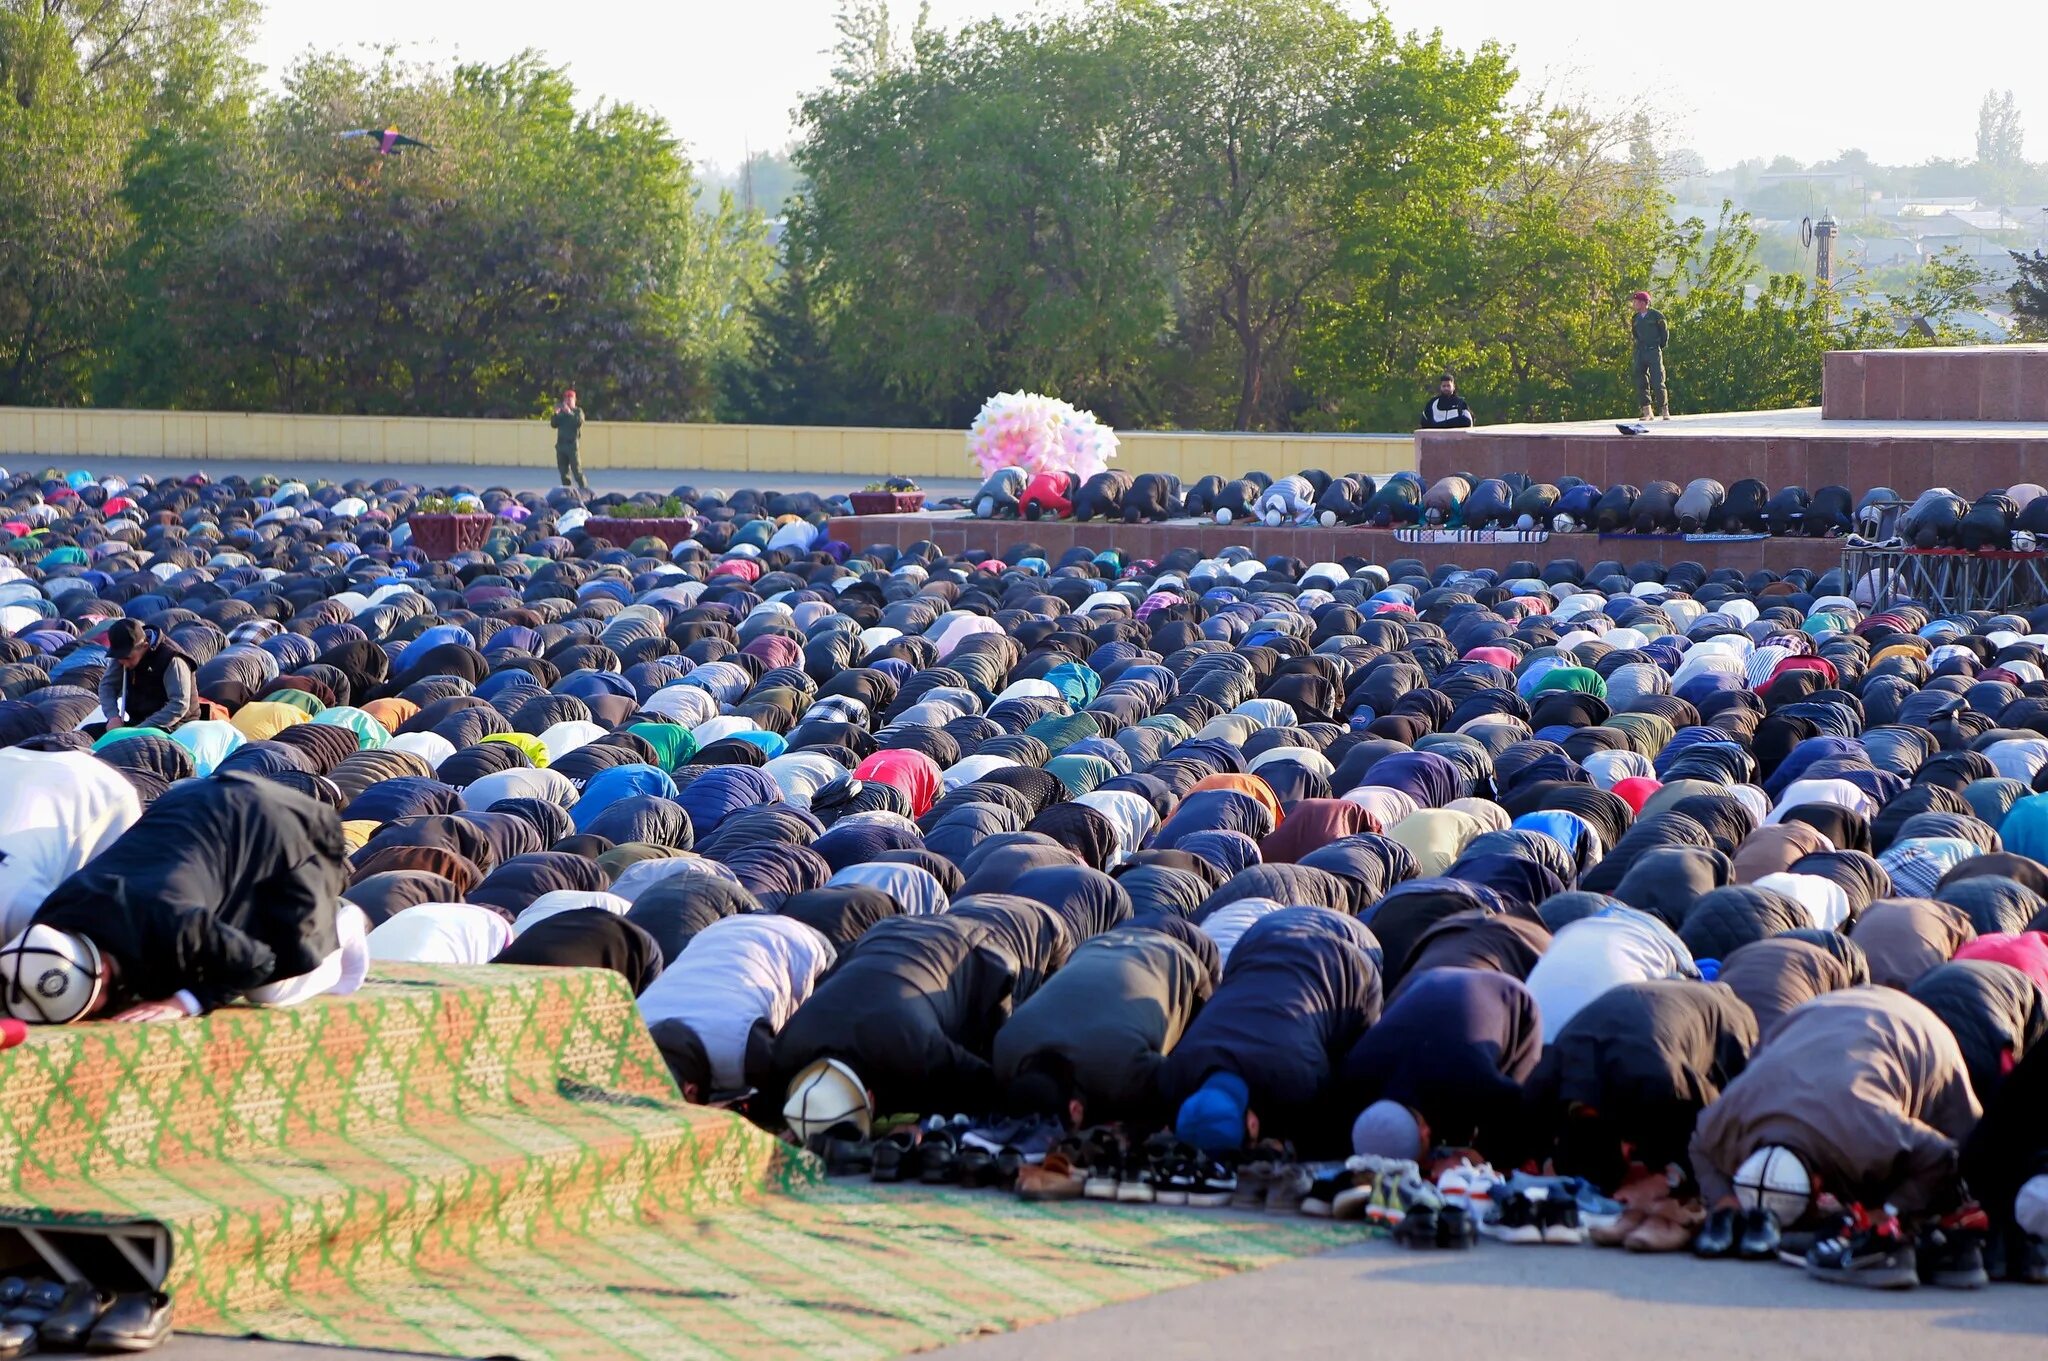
{"x": 1972, "y": 419}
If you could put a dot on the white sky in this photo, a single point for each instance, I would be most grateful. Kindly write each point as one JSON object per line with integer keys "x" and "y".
{"x": 1738, "y": 78}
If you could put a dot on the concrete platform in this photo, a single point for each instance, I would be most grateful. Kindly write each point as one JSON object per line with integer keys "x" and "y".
{"x": 956, "y": 532}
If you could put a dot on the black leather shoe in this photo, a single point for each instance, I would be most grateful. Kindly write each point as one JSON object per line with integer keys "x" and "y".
{"x": 1716, "y": 1237}
{"x": 68, "y": 1325}
{"x": 896, "y": 1157}
{"x": 938, "y": 1159}
{"x": 1759, "y": 1238}
{"x": 977, "y": 1166}
{"x": 136, "y": 1323}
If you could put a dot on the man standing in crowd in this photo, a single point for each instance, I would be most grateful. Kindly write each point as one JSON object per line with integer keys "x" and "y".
{"x": 568, "y": 423}
{"x": 1651, "y": 333}
{"x": 148, "y": 680}
{"x": 1446, "y": 410}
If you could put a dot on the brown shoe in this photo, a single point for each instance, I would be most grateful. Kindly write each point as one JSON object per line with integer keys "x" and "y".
{"x": 1615, "y": 1234}
{"x": 1054, "y": 1179}
{"x": 1669, "y": 1227}
{"x": 1640, "y": 1199}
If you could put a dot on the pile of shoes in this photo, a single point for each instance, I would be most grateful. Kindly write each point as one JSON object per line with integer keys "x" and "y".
{"x": 1553, "y": 1210}
{"x": 53, "y": 1316}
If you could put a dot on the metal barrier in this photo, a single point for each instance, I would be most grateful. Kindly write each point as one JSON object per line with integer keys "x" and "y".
{"x": 1945, "y": 580}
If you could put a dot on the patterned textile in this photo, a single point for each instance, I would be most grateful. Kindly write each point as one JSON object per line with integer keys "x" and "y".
{"x": 495, "y": 1161}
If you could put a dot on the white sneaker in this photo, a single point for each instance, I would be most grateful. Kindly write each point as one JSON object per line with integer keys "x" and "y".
{"x": 1469, "y": 1186}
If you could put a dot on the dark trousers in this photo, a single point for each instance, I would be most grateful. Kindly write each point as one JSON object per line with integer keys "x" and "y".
{"x": 1648, "y": 369}
{"x": 570, "y": 465}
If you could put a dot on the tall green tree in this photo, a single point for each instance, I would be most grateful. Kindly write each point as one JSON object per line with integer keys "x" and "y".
{"x": 81, "y": 83}
{"x": 538, "y": 247}
{"x": 981, "y": 212}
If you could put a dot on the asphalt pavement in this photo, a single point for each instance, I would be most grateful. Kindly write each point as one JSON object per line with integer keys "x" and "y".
{"x": 1536, "y": 1304}
{"x": 1493, "y": 1303}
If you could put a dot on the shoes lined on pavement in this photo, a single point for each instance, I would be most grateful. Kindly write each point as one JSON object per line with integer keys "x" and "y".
{"x": 1951, "y": 1253}
{"x": 1288, "y": 1189}
{"x": 1054, "y": 1179}
{"x": 1559, "y": 1217}
{"x": 1759, "y": 1236}
{"x": 1668, "y": 1226}
{"x": 1456, "y": 1229}
{"x": 1213, "y": 1186}
{"x": 1513, "y": 1220}
{"x": 1864, "y": 1251}
{"x": 895, "y": 1158}
{"x": 1718, "y": 1236}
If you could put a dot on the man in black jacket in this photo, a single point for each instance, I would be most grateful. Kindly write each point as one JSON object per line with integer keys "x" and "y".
{"x": 1138, "y": 989}
{"x": 1446, "y": 410}
{"x": 1448, "y": 1060}
{"x": 223, "y": 886}
{"x": 1260, "y": 1059}
{"x": 913, "y": 1007}
{"x": 148, "y": 681}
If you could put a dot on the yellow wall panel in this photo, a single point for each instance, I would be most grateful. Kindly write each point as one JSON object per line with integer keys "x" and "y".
{"x": 724, "y": 449}
{"x": 67, "y": 436}
{"x": 771, "y": 449}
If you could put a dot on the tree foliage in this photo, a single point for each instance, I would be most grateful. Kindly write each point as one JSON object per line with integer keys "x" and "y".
{"x": 1262, "y": 214}
{"x": 2029, "y": 294}
{"x": 190, "y": 246}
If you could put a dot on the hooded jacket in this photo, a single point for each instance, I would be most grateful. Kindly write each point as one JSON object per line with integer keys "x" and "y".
{"x": 224, "y": 885}
{"x": 1866, "y": 1085}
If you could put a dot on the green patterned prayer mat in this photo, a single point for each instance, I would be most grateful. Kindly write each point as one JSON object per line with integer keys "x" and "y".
{"x": 495, "y": 1161}
{"x": 845, "y": 1272}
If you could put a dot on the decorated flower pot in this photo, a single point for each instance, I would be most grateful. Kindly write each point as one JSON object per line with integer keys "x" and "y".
{"x": 444, "y": 534}
{"x": 886, "y": 502}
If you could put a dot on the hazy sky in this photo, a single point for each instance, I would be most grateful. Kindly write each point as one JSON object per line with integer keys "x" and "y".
{"x": 1739, "y": 78}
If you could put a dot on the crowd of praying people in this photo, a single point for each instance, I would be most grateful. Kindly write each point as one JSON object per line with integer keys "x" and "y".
{"x": 1671, "y": 909}
{"x": 2004, "y": 519}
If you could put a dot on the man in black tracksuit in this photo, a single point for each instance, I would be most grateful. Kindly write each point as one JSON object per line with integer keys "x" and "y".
{"x": 225, "y": 884}
{"x": 148, "y": 682}
{"x": 1099, "y": 1029}
{"x": 1446, "y": 410}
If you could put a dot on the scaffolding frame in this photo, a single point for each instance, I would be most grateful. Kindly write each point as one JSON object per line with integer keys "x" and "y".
{"x": 1947, "y": 580}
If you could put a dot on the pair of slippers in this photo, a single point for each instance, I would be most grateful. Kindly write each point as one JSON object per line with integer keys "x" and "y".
{"x": 79, "y": 1317}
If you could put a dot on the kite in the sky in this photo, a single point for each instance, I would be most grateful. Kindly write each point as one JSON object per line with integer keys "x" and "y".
{"x": 390, "y": 141}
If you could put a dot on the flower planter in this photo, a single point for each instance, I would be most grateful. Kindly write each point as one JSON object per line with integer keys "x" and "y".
{"x": 886, "y": 502}
{"x": 670, "y": 529}
{"x": 444, "y": 534}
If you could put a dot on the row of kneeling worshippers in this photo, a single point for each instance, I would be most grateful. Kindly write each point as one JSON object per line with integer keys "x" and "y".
{"x": 2007, "y": 517}
{"x": 1636, "y": 877}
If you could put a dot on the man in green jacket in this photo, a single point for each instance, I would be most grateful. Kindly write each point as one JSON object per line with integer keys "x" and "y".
{"x": 568, "y": 423}
{"x": 1651, "y": 334}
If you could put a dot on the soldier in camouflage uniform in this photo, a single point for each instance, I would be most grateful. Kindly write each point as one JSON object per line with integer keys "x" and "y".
{"x": 1651, "y": 333}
